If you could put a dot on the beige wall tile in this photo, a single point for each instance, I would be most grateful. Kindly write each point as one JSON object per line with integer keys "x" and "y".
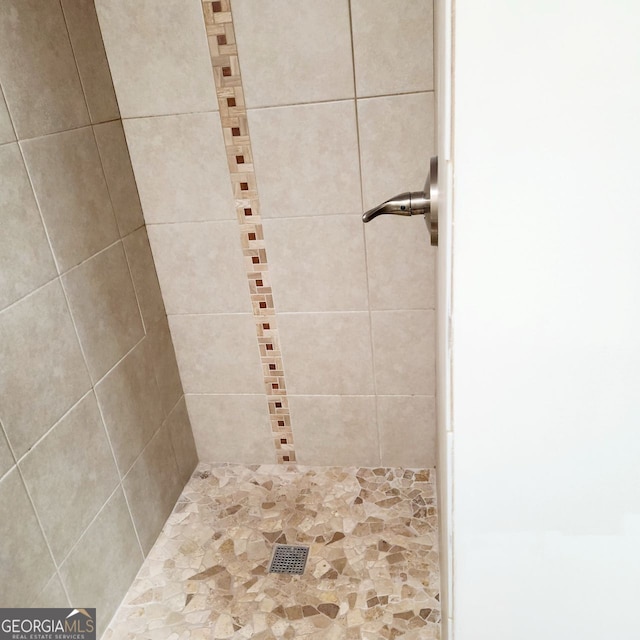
{"x": 70, "y": 474}
{"x": 6, "y": 457}
{"x": 86, "y": 41}
{"x": 217, "y": 353}
{"x": 25, "y": 256}
{"x": 164, "y": 364}
{"x": 6, "y": 128}
{"x": 400, "y": 263}
{"x": 118, "y": 172}
{"x": 25, "y": 562}
{"x": 201, "y": 267}
{"x": 181, "y": 168}
{"x": 39, "y": 75}
{"x": 299, "y": 169}
{"x": 335, "y": 430}
{"x": 327, "y": 353}
{"x": 292, "y": 53}
{"x": 397, "y": 139}
{"x": 104, "y": 308}
{"x": 130, "y": 403}
{"x": 152, "y": 487}
{"x": 145, "y": 279}
{"x": 70, "y": 187}
{"x": 232, "y": 428}
{"x": 43, "y": 373}
{"x": 158, "y": 56}
{"x": 317, "y": 263}
{"x": 104, "y": 562}
{"x": 52, "y": 596}
{"x": 404, "y": 352}
{"x": 392, "y": 45}
{"x": 407, "y": 427}
{"x": 182, "y": 440}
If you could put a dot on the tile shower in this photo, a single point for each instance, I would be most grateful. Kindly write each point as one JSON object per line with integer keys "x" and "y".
{"x": 209, "y": 202}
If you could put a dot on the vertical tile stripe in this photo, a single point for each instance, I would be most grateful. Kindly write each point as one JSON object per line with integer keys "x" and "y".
{"x": 233, "y": 115}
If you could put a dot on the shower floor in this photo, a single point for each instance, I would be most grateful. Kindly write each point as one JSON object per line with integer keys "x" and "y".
{"x": 372, "y": 570}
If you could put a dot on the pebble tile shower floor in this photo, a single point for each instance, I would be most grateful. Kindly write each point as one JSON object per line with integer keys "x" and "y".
{"x": 372, "y": 570}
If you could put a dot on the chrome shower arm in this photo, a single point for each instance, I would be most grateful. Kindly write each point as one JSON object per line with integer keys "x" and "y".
{"x": 404, "y": 204}
{"x": 414, "y": 203}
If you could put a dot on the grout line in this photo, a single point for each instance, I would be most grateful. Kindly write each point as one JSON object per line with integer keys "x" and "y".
{"x": 120, "y": 477}
{"x": 281, "y": 313}
{"x": 51, "y": 428}
{"x": 218, "y": 22}
{"x": 11, "y": 452}
{"x": 84, "y": 533}
{"x": 91, "y": 257}
{"x": 61, "y": 131}
{"x": 106, "y": 182}
{"x": 56, "y": 574}
{"x": 44, "y": 535}
{"x": 173, "y": 449}
{"x": 135, "y": 292}
{"x": 168, "y": 115}
{"x": 338, "y": 100}
{"x": 75, "y": 62}
{"x": 315, "y": 395}
{"x": 265, "y": 219}
{"x": 104, "y": 424}
{"x": 267, "y": 106}
{"x": 13, "y": 128}
{"x": 135, "y": 346}
{"x": 39, "y": 207}
{"x": 364, "y": 240}
{"x": 31, "y": 293}
{"x": 117, "y": 466}
{"x": 296, "y": 313}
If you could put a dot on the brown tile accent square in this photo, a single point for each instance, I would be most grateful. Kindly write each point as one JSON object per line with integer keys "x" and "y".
{"x": 252, "y": 236}
{"x": 248, "y": 212}
{"x": 255, "y": 260}
{"x": 216, "y": 6}
{"x": 285, "y": 458}
{"x": 269, "y": 347}
{"x": 281, "y": 423}
{"x": 235, "y": 131}
{"x": 239, "y": 159}
{"x": 226, "y": 71}
{"x": 275, "y": 385}
{"x": 278, "y": 404}
{"x": 272, "y": 367}
{"x": 263, "y": 305}
{"x": 244, "y": 186}
{"x": 283, "y": 441}
{"x": 258, "y": 282}
{"x": 266, "y": 326}
{"x": 222, "y": 39}
{"x": 231, "y": 102}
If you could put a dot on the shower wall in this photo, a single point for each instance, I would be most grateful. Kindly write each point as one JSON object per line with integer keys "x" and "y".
{"x": 95, "y": 441}
{"x": 259, "y": 131}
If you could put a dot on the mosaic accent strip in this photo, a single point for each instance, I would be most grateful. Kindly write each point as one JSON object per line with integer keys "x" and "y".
{"x": 233, "y": 115}
{"x": 372, "y": 571}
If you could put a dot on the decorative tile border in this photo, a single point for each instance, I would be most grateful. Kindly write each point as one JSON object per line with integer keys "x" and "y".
{"x": 233, "y": 115}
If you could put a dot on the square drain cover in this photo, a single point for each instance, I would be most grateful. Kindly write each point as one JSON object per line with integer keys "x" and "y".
{"x": 288, "y": 558}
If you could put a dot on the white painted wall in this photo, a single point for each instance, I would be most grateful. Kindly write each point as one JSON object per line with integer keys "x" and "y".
{"x": 546, "y": 320}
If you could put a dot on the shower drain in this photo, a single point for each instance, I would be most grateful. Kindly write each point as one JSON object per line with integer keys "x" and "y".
{"x": 289, "y": 558}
